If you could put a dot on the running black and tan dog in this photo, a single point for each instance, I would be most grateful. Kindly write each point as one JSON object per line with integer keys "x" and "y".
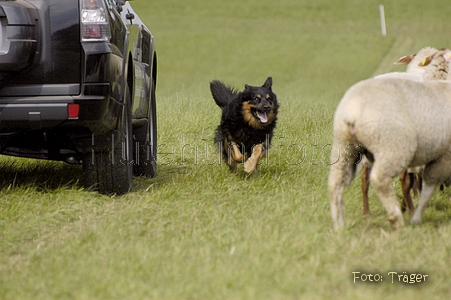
{"x": 247, "y": 123}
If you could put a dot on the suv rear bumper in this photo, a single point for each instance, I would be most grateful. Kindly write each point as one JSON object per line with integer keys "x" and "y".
{"x": 98, "y": 114}
{"x": 31, "y": 116}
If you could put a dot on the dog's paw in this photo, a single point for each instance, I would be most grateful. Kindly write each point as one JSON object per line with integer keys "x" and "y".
{"x": 249, "y": 166}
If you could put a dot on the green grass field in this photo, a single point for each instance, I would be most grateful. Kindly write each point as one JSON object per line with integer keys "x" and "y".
{"x": 197, "y": 232}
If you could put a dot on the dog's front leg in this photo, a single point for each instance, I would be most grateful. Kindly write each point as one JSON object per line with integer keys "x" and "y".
{"x": 258, "y": 151}
{"x": 236, "y": 153}
{"x": 232, "y": 155}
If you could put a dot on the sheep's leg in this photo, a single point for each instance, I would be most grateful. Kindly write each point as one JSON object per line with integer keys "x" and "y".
{"x": 404, "y": 179}
{"x": 407, "y": 199}
{"x": 416, "y": 186}
{"x": 336, "y": 186}
{"x": 365, "y": 186}
{"x": 434, "y": 175}
{"x": 381, "y": 181}
{"x": 407, "y": 180}
{"x": 426, "y": 194}
{"x": 342, "y": 172}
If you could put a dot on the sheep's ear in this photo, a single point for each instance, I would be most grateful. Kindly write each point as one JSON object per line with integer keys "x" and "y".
{"x": 426, "y": 61}
{"x": 447, "y": 55}
{"x": 405, "y": 60}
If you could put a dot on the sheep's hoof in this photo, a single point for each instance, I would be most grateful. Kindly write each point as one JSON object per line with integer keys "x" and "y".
{"x": 397, "y": 222}
{"x": 415, "y": 220}
{"x": 338, "y": 224}
{"x": 337, "y": 228}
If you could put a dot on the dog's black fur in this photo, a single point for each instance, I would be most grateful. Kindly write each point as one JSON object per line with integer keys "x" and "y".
{"x": 248, "y": 119}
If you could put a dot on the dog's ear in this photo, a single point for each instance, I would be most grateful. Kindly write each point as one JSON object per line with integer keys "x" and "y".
{"x": 268, "y": 83}
{"x": 246, "y": 86}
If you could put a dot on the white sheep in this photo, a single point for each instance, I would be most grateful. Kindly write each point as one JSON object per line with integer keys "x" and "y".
{"x": 437, "y": 65}
{"x": 416, "y": 66}
{"x": 416, "y": 62}
{"x": 400, "y": 123}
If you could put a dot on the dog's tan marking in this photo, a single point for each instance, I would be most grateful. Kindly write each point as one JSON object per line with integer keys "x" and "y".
{"x": 230, "y": 161}
{"x": 249, "y": 116}
{"x": 236, "y": 153}
{"x": 271, "y": 115}
{"x": 258, "y": 151}
{"x": 267, "y": 96}
{"x": 259, "y": 96}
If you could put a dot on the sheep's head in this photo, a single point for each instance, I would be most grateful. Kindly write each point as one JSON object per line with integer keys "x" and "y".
{"x": 413, "y": 61}
{"x": 437, "y": 65}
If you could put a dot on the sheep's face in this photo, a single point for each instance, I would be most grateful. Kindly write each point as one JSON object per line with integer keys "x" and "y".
{"x": 413, "y": 61}
{"x": 437, "y": 65}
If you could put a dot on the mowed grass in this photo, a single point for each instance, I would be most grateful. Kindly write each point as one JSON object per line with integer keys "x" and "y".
{"x": 197, "y": 232}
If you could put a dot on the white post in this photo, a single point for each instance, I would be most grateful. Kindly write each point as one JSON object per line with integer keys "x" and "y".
{"x": 382, "y": 13}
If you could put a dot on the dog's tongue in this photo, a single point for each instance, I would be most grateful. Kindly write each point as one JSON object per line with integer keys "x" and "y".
{"x": 262, "y": 116}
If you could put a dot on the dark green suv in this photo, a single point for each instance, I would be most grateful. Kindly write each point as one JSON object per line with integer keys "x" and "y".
{"x": 77, "y": 84}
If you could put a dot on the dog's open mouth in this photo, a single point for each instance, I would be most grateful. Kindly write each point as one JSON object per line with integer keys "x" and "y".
{"x": 261, "y": 116}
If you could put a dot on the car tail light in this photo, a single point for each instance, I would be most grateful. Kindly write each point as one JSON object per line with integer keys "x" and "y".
{"x": 72, "y": 111}
{"x": 94, "y": 21}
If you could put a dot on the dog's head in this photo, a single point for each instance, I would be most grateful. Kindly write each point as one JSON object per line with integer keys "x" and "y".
{"x": 259, "y": 105}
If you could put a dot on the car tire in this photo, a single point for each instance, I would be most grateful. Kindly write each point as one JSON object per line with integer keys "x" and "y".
{"x": 110, "y": 171}
{"x": 145, "y": 142}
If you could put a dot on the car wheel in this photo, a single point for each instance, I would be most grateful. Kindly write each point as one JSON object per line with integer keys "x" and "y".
{"x": 110, "y": 171}
{"x": 145, "y": 142}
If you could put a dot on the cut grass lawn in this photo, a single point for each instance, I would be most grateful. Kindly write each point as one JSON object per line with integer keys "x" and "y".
{"x": 197, "y": 232}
